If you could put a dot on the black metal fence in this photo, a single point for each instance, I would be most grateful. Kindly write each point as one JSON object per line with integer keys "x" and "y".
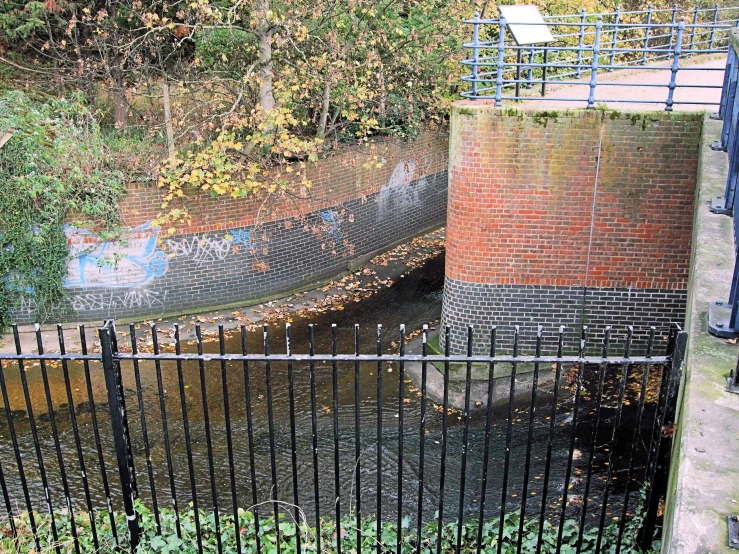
{"x": 557, "y": 438}
{"x": 587, "y": 44}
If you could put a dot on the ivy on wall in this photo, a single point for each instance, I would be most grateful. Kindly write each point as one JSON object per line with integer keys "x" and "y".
{"x": 53, "y": 169}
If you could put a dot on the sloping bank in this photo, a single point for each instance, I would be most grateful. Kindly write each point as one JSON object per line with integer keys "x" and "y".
{"x": 364, "y": 199}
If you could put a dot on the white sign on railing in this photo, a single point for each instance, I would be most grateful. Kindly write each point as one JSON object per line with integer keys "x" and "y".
{"x": 526, "y": 24}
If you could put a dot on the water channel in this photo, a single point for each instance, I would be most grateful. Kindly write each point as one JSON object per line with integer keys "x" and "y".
{"x": 413, "y": 301}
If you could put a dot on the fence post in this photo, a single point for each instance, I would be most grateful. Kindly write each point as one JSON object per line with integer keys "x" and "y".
{"x": 119, "y": 422}
{"x": 581, "y": 42}
{"x": 659, "y": 465}
{"x": 675, "y": 65}
{"x": 475, "y": 52}
{"x": 614, "y": 41}
{"x": 499, "y": 73}
{"x": 530, "y": 73}
{"x": 646, "y": 34}
{"x": 713, "y": 29}
{"x": 594, "y": 65}
{"x": 696, "y": 14}
{"x": 672, "y": 29}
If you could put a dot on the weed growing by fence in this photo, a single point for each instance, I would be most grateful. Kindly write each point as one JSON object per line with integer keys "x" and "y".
{"x": 169, "y": 542}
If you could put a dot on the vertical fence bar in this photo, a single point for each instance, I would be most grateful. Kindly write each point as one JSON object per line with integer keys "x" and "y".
{"x": 57, "y": 444}
{"x": 335, "y": 410}
{"x": 635, "y": 442}
{"x": 475, "y": 52}
{"x": 530, "y": 71}
{"x": 208, "y": 439}
{"x": 314, "y": 431}
{"x": 594, "y": 439}
{"x": 486, "y": 447}
{"x": 444, "y": 429}
{"x": 675, "y": 66}
{"x": 96, "y": 433}
{"x": 550, "y": 437}
{"x": 696, "y": 15}
{"x": 519, "y": 61}
{"x": 580, "y": 43}
{"x": 532, "y": 421}
{"x": 357, "y": 443}
{"x": 465, "y": 439}
{"x": 165, "y": 430}
{"x": 663, "y": 449}
{"x": 19, "y": 460}
{"x": 401, "y": 411}
{"x": 229, "y": 438}
{"x": 250, "y": 438}
{"x": 77, "y": 441}
{"x": 117, "y": 411}
{"x": 144, "y": 429}
{"x": 545, "y": 62}
{"x": 646, "y": 34}
{"x": 612, "y": 443}
{"x": 614, "y": 40}
{"x": 379, "y": 442}
{"x": 293, "y": 436}
{"x": 501, "y": 63}
{"x": 594, "y": 65}
{"x": 713, "y": 28}
{"x": 422, "y": 439}
{"x": 188, "y": 442}
{"x": 573, "y": 436}
{"x": 274, "y": 492}
{"x": 672, "y": 30}
{"x": 36, "y": 440}
{"x": 509, "y": 431}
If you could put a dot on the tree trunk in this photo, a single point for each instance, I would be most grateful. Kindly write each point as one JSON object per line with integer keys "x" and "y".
{"x": 264, "y": 35}
{"x": 121, "y": 105}
{"x": 168, "y": 119}
{"x": 325, "y": 105}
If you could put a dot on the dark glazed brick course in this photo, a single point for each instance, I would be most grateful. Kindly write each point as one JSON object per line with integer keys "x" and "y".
{"x": 484, "y": 305}
{"x": 215, "y": 270}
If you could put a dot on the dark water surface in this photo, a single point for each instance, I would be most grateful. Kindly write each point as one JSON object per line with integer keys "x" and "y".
{"x": 413, "y": 300}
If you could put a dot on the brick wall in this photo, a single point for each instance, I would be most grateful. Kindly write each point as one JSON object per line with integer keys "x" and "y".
{"x": 364, "y": 198}
{"x": 550, "y": 212}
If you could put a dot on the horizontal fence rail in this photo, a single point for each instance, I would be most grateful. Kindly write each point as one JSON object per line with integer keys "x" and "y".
{"x": 587, "y": 44}
{"x": 377, "y": 450}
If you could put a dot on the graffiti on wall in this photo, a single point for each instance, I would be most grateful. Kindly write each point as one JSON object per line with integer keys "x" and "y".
{"x": 131, "y": 262}
{"x": 199, "y": 249}
{"x": 397, "y": 193}
{"x": 332, "y": 221}
{"x": 107, "y": 302}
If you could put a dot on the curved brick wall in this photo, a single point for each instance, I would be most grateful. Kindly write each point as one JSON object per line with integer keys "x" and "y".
{"x": 364, "y": 198}
{"x": 525, "y": 188}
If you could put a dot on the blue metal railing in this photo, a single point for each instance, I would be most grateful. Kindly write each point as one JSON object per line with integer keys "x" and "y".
{"x": 722, "y": 320}
{"x": 587, "y": 44}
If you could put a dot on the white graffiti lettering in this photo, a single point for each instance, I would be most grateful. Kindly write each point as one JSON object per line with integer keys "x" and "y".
{"x": 111, "y": 301}
{"x": 199, "y": 249}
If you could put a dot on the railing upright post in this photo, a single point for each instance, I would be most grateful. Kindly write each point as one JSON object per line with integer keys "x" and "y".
{"x": 499, "y": 73}
{"x": 530, "y": 72}
{"x": 614, "y": 40}
{"x": 713, "y": 28}
{"x": 672, "y": 29}
{"x": 475, "y": 52}
{"x": 675, "y": 65}
{"x": 696, "y": 14}
{"x": 118, "y": 419}
{"x": 646, "y": 34}
{"x": 594, "y": 66}
{"x": 581, "y": 43}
